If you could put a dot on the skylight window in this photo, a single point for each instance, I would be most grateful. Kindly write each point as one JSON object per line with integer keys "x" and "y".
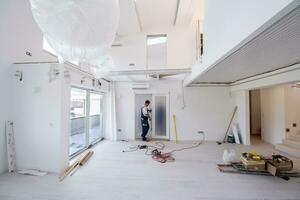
{"x": 50, "y": 50}
{"x": 156, "y": 51}
{"x": 152, "y": 40}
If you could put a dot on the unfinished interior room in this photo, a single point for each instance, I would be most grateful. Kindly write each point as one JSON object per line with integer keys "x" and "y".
{"x": 149, "y": 99}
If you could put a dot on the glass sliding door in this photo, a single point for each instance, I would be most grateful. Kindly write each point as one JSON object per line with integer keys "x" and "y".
{"x": 96, "y": 117}
{"x": 160, "y": 116}
{"x": 78, "y": 115}
{"x": 86, "y": 119}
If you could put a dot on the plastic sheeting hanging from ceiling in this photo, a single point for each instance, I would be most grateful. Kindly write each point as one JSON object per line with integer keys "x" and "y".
{"x": 78, "y": 30}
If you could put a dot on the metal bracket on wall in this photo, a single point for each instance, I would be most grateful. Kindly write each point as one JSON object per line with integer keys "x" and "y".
{"x": 19, "y": 74}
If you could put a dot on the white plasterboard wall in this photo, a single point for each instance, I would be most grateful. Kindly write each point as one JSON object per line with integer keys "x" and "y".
{"x": 41, "y": 114}
{"x": 273, "y": 114}
{"x": 18, "y": 34}
{"x": 36, "y": 108}
{"x": 292, "y": 108}
{"x": 181, "y": 49}
{"x": 207, "y": 109}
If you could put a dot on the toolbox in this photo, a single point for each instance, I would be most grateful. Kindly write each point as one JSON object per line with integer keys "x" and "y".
{"x": 279, "y": 163}
{"x": 253, "y": 161}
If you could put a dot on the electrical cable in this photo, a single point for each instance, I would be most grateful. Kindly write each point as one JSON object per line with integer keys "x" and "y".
{"x": 160, "y": 146}
{"x": 131, "y": 149}
{"x": 190, "y": 147}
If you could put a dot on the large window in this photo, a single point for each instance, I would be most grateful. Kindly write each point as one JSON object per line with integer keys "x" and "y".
{"x": 156, "y": 51}
{"x": 86, "y": 119}
{"x": 96, "y": 117}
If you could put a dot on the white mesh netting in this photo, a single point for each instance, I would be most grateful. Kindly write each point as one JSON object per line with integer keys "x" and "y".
{"x": 78, "y": 30}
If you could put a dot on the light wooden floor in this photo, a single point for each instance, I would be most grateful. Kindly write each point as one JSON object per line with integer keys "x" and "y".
{"x": 113, "y": 175}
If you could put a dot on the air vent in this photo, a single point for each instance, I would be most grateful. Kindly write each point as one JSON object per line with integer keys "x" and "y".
{"x": 140, "y": 86}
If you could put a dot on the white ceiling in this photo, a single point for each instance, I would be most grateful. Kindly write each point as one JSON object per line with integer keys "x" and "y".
{"x": 128, "y": 18}
{"x": 154, "y": 16}
{"x": 276, "y": 47}
{"x": 139, "y": 18}
{"x": 20, "y": 34}
{"x": 186, "y": 10}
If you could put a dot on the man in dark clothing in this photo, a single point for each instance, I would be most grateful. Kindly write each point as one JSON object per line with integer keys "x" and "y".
{"x": 145, "y": 117}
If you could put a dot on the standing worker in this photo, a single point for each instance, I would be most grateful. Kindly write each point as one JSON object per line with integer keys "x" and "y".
{"x": 145, "y": 118}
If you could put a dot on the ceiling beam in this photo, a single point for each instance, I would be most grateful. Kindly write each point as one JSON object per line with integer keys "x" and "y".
{"x": 176, "y": 13}
{"x": 148, "y": 72}
{"x": 137, "y": 15}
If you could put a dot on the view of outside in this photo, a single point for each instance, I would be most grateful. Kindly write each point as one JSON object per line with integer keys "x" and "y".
{"x": 96, "y": 117}
{"x": 78, "y": 118}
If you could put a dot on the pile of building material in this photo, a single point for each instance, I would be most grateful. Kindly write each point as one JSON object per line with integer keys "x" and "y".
{"x": 82, "y": 160}
{"x": 255, "y": 164}
{"x": 233, "y": 136}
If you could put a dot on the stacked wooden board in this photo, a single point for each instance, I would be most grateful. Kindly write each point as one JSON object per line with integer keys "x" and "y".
{"x": 82, "y": 160}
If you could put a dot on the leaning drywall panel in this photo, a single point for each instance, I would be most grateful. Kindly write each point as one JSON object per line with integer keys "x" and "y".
{"x": 5, "y": 114}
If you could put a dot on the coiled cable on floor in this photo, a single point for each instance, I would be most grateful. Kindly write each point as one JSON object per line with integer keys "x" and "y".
{"x": 158, "y": 145}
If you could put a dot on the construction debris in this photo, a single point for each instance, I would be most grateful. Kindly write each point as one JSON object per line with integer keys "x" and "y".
{"x": 82, "y": 160}
{"x": 253, "y": 161}
{"x": 238, "y": 168}
{"x": 255, "y": 164}
{"x": 278, "y": 163}
{"x": 229, "y": 156}
{"x": 225, "y": 139}
{"x": 32, "y": 172}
